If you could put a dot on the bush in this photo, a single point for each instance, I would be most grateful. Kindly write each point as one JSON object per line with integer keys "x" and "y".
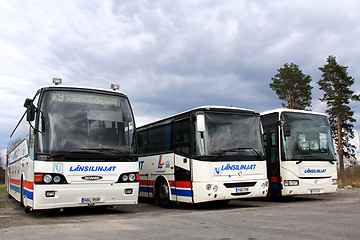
{"x": 350, "y": 177}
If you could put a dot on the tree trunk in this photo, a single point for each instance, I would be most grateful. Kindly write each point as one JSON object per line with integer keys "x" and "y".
{"x": 340, "y": 147}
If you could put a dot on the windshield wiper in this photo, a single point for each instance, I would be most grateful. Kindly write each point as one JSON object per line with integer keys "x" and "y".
{"x": 313, "y": 158}
{"x": 66, "y": 154}
{"x": 108, "y": 150}
{"x": 221, "y": 151}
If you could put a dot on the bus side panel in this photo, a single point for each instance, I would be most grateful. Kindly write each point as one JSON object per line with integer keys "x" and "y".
{"x": 183, "y": 185}
{"x": 228, "y": 180}
{"x": 82, "y": 188}
{"x": 151, "y": 167}
{"x": 314, "y": 177}
{"x": 20, "y": 174}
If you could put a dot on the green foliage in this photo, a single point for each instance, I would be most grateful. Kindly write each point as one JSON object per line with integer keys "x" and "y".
{"x": 2, "y": 190}
{"x": 336, "y": 84}
{"x": 292, "y": 86}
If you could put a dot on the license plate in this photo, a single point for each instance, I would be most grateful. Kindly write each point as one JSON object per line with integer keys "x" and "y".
{"x": 90, "y": 200}
{"x": 242, "y": 189}
{"x": 315, "y": 191}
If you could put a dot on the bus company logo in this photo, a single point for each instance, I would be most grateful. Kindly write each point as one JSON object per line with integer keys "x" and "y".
{"x": 311, "y": 170}
{"x": 92, "y": 178}
{"x": 80, "y": 168}
{"x": 232, "y": 167}
{"x": 161, "y": 163}
{"x": 58, "y": 167}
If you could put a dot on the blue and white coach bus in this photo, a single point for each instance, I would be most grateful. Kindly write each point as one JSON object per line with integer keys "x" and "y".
{"x": 73, "y": 147}
{"x": 300, "y": 152}
{"x": 209, "y": 153}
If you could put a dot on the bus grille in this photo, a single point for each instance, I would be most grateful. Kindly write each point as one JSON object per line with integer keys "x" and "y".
{"x": 242, "y": 184}
{"x": 240, "y": 194}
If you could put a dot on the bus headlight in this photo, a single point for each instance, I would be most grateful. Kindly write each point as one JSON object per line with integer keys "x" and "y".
{"x": 47, "y": 178}
{"x": 132, "y": 177}
{"x": 129, "y": 177}
{"x": 334, "y": 182}
{"x": 215, "y": 188}
{"x": 125, "y": 178}
{"x": 208, "y": 187}
{"x": 291, "y": 182}
{"x": 57, "y": 179}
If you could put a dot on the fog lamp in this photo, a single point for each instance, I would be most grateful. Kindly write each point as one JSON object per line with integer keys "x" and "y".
{"x": 291, "y": 182}
{"x": 50, "y": 193}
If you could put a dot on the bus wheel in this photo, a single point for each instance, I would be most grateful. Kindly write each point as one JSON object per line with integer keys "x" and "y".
{"x": 27, "y": 210}
{"x": 162, "y": 196}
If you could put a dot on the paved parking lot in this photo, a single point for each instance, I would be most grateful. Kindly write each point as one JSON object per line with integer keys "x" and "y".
{"x": 332, "y": 216}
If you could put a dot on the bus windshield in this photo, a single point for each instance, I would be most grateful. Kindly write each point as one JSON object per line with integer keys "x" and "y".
{"x": 230, "y": 134}
{"x": 306, "y": 137}
{"x": 73, "y": 121}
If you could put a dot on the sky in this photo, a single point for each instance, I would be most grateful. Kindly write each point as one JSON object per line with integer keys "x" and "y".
{"x": 171, "y": 56}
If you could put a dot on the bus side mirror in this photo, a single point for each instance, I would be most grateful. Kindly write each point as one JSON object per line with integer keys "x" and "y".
{"x": 200, "y": 123}
{"x": 31, "y": 109}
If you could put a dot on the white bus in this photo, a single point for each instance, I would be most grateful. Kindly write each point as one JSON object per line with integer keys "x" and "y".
{"x": 205, "y": 154}
{"x": 300, "y": 152}
{"x": 73, "y": 147}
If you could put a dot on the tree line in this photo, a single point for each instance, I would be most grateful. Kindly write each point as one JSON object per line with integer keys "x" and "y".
{"x": 293, "y": 87}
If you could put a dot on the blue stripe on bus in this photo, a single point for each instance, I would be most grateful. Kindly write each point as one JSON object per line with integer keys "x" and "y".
{"x": 146, "y": 189}
{"x": 181, "y": 192}
{"x": 15, "y": 188}
{"x": 28, "y": 194}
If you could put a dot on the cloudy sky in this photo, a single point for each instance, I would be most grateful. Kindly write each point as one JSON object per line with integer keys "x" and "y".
{"x": 170, "y": 56}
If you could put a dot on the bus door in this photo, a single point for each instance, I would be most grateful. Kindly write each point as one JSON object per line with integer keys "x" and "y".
{"x": 271, "y": 141}
{"x": 183, "y": 186}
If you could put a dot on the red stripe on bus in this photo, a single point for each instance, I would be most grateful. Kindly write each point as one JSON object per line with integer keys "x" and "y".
{"x": 182, "y": 184}
{"x": 273, "y": 179}
{"x": 15, "y": 181}
{"x": 27, "y": 184}
{"x": 179, "y": 184}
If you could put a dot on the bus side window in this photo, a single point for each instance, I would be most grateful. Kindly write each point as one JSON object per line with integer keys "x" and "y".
{"x": 160, "y": 139}
{"x": 182, "y": 136}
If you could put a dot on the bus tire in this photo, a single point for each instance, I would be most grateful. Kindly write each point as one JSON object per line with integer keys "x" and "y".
{"x": 162, "y": 196}
{"x": 27, "y": 210}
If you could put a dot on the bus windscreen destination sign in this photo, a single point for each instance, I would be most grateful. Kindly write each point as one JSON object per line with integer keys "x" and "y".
{"x": 86, "y": 98}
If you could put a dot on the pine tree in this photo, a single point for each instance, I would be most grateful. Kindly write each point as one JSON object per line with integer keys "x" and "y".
{"x": 292, "y": 86}
{"x": 336, "y": 84}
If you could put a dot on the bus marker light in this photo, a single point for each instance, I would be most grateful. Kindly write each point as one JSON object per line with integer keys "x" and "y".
{"x": 38, "y": 178}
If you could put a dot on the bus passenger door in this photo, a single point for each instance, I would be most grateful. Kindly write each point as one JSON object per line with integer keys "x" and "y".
{"x": 183, "y": 186}
{"x": 271, "y": 142}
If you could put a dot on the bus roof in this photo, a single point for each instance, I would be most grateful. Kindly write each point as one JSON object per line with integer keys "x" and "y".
{"x": 281, "y": 110}
{"x": 67, "y": 87}
{"x": 205, "y": 108}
